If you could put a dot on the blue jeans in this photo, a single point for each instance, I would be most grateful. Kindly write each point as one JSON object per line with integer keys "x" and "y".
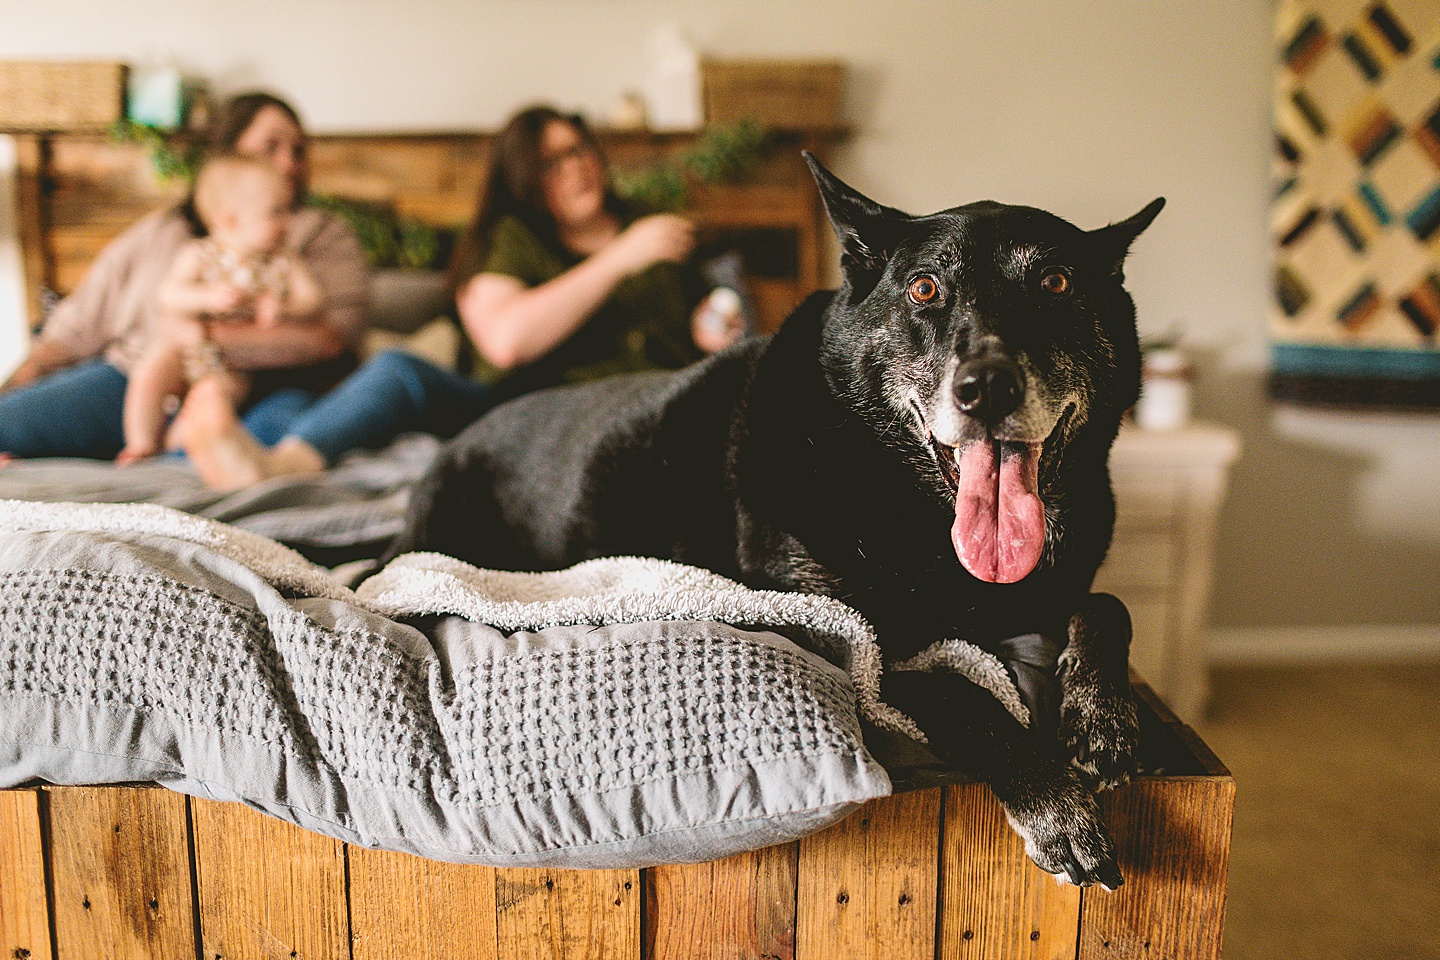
{"x": 77, "y": 412}
{"x": 72, "y": 413}
{"x": 392, "y": 392}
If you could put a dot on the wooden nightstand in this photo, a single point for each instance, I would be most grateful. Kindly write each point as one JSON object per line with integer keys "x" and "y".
{"x": 1169, "y": 485}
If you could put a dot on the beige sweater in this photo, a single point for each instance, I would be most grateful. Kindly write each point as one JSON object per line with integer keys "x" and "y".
{"x": 112, "y": 312}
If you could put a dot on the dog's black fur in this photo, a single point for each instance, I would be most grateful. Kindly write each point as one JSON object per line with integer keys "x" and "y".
{"x": 819, "y": 460}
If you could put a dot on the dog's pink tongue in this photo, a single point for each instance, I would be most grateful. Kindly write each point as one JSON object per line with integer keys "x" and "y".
{"x": 999, "y": 528}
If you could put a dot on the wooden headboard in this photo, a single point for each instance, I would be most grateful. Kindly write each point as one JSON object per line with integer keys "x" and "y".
{"x": 78, "y": 192}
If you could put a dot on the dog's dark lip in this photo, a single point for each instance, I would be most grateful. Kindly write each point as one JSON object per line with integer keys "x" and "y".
{"x": 945, "y": 455}
{"x": 1062, "y": 425}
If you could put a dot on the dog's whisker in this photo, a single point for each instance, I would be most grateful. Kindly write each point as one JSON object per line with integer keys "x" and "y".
{"x": 893, "y": 420}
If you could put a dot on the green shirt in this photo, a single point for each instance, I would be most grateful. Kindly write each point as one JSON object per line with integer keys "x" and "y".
{"x": 644, "y": 325}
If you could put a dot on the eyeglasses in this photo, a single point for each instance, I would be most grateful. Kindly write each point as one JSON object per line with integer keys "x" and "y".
{"x": 580, "y": 150}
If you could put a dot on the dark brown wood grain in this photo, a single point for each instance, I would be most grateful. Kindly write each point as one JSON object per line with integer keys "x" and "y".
{"x": 740, "y": 908}
{"x": 435, "y": 179}
{"x": 32, "y": 160}
{"x": 916, "y": 875}
{"x": 867, "y": 885}
{"x": 95, "y": 190}
{"x": 78, "y": 193}
{"x": 267, "y": 889}
{"x": 120, "y": 863}
{"x": 1173, "y": 840}
{"x": 996, "y": 904}
{"x": 545, "y": 914}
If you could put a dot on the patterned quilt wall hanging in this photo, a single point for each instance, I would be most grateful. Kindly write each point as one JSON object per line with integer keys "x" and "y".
{"x": 1356, "y": 216}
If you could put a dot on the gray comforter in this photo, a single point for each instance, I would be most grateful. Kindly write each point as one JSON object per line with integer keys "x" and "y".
{"x": 350, "y": 512}
{"x": 601, "y": 716}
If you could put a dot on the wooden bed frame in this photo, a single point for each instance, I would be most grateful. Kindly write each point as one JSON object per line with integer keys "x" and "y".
{"x": 122, "y": 872}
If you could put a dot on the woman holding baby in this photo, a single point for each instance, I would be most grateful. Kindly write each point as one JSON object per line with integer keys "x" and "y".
{"x": 238, "y": 272}
{"x": 67, "y": 397}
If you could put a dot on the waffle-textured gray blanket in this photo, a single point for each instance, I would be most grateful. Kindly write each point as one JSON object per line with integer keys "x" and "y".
{"x": 141, "y": 644}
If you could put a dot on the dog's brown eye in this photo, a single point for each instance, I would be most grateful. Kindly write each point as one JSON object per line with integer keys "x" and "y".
{"x": 924, "y": 289}
{"x": 1055, "y": 283}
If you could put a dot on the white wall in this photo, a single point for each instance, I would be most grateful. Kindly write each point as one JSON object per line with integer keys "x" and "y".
{"x": 1089, "y": 109}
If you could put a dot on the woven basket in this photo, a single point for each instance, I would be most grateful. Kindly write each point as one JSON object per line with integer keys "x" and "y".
{"x": 36, "y": 96}
{"x": 784, "y": 94}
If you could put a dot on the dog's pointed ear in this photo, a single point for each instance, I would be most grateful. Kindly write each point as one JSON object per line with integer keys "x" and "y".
{"x": 1114, "y": 241}
{"x": 865, "y": 228}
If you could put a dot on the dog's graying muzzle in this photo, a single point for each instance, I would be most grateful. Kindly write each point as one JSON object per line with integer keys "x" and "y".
{"x": 989, "y": 389}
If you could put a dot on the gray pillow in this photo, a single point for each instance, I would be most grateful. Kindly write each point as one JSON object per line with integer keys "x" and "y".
{"x": 403, "y": 301}
{"x": 130, "y": 656}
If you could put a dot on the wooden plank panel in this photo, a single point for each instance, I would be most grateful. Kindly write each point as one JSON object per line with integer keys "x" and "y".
{"x": 735, "y": 909}
{"x": 774, "y": 301}
{"x": 546, "y": 914}
{"x": 31, "y": 155}
{"x": 24, "y": 921}
{"x": 404, "y": 907}
{"x": 995, "y": 903}
{"x": 120, "y": 862}
{"x": 106, "y": 172}
{"x": 867, "y": 885}
{"x": 435, "y": 179}
{"x": 1173, "y": 840}
{"x": 267, "y": 889}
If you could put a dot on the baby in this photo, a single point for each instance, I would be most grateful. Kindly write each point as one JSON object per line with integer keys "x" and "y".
{"x": 236, "y": 274}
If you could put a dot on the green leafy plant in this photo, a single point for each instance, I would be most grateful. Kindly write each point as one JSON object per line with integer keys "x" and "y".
{"x": 390, "y": 239}
{"x": 173, "y": 156}
{"x": 724, "y": 154}
{"x": 420, "y": 245}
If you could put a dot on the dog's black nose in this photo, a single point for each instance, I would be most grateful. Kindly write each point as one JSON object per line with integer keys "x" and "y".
{"x": 989, "y": 390}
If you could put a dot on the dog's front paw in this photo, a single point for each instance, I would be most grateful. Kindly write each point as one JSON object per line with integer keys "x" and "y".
{"x": 1100, "y": 732}
{"x": 1063, "y": 834}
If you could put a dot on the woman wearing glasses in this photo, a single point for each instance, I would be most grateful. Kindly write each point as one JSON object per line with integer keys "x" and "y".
{"x": 556, "y": 280}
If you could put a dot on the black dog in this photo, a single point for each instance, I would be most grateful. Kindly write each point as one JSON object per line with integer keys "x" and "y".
{"x": 929, "y": 444}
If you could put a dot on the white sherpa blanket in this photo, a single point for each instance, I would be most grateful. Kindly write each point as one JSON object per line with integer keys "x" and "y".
{"x": 612, "y": 590}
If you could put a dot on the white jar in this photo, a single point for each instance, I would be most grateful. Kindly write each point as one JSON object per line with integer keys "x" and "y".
{"x": 1165, "y": 391}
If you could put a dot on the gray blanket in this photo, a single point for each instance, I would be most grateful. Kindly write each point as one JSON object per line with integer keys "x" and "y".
{"x": 350, "y": 512}
{"x": 610, "y": 719}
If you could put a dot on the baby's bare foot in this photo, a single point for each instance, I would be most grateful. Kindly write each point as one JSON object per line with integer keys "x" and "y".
{"x": 175, "y": 433}
{"x": 134, "y": 454}
{"x": 217, "y": 443}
